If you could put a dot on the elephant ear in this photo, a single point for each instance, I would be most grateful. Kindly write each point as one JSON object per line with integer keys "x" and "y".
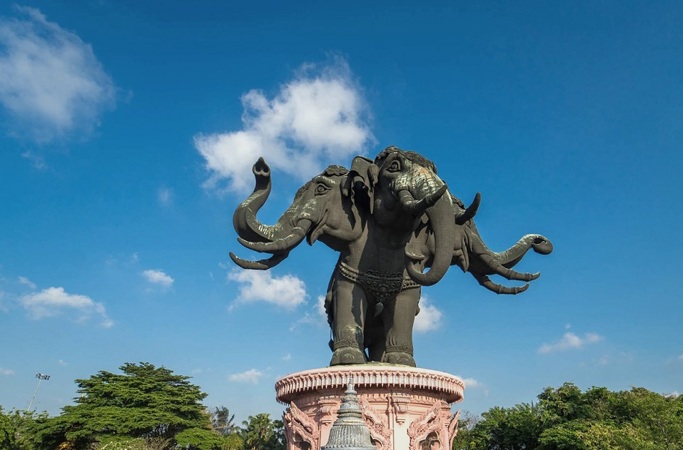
{"x": 360, "y": 183}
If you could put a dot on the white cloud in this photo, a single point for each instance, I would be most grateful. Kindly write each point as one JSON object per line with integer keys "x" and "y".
{"x": 6, "y": 372}
{"x": 61, "y": 362}
{"x": 429, "y": 318}
{"x": 165, "y": 196}
{"x": 51, "y": 83}
{"x": 317, "y": 118}
{"x": 287, "y": 357}
{"x": 680, "y": 357}
{"x": 318, "y": 317}
{"x": 55, "y": 301}
{"x": 250, "y": 376}
{"x": 320, "y": 308}
{"x": 471, "y": 383}
{"x": 37, "y": 160}
{"x": 286, "y": 291}
{"x": 26, "y": 282}
{"x": 158, "y": 277}
{"x": 570, "y": 341}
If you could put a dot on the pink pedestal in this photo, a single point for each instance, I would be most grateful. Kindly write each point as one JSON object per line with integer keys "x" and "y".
{"x": 405, "y": 408}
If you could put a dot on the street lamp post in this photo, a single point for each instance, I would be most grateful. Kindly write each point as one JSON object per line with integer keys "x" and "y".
{"x": 41, "y": 377}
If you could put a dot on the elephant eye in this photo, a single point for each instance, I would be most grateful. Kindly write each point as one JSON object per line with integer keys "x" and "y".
{"x": 321, "y": 189}
{"x": 395, "y": 166}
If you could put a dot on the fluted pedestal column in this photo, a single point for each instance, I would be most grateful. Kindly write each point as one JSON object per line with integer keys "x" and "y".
{"x": 405, "y": 408}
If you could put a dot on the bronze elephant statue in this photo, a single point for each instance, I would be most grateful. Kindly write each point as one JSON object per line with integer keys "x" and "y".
{"x": 396, "y": 228}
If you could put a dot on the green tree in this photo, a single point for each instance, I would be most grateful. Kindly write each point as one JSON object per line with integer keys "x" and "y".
{"x": 8, "y": 431}
{"x": 17, "y": 429}
{"x": 199, "y": 439}
{"x": 465, "y": 439}
{"x": 261, "y": 433}
{"x": 146, "y": 402}
{"x": 516, "y": 428}
{"x": 223, "y": 422}
{"x": 568, "y": 419}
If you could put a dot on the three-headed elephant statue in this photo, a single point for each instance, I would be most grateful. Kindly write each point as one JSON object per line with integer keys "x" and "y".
{"x": 396, "y": 228}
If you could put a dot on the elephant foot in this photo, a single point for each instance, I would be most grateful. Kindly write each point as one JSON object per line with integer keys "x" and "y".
{"x": 347, "y": 355}
{"x": 402, "y": 358}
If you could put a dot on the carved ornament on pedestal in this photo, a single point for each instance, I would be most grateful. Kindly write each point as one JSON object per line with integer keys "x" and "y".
{"x": 400, "y": 405}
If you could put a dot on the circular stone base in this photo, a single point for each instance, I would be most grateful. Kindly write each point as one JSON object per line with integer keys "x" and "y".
{"x": 404, "y": 407}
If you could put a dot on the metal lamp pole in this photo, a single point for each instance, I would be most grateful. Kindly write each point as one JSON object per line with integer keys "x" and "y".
{"x": 41, "y": 377}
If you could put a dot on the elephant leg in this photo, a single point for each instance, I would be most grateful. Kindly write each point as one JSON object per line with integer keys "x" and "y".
{"x": 374, "y": 338}
{"x": 350, "y": 305}
{"x": 399, "y": 317}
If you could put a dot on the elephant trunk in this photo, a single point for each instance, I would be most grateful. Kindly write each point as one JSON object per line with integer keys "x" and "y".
{"x": 514, "y": 254}
{"x": 441, "y": 218}
{"x": 247, "y": 226}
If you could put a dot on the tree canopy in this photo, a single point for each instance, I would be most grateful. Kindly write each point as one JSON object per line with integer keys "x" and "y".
{"x": 150, "y": 408}
{"x": 260, "y": 433}
{"x": 144, "y": 403}
{"x": 566, "y": 418}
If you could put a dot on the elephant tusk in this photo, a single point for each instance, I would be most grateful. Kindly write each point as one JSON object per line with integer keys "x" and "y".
{"x": 511, "y": 274}
{"x": 417, "y": 207}
{"x": 262, "y": 264}
{"x": 471, "y": 210}
{"x": 498, "y": 288}
{"x": 284, "y": 244}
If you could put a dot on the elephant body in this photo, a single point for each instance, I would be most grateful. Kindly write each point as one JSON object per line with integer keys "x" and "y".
{"x": 396, "y": 228}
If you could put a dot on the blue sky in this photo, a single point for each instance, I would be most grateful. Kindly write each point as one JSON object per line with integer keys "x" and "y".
{"x": 127, "y": 130}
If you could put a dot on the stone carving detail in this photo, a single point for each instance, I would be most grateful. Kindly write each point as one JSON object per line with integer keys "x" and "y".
{"x": 453, "y": 428}
{"x": 397, "y": 227}
{"x": 435, "y": 420}
{"x": 299, "y": 428}
{"x": 369, "y": 376}
{"x": 400, "y": 404}
{"x": 327, "y": 409}
{"x": 422, "y": 396}
{"x": 378, "y": 424}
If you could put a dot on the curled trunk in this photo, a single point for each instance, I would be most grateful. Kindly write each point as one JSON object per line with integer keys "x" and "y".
{"x": 485, "y": 262}
{"x": 510, "y": 257}
{"x": 441, "y": 219}
{"x": 247, "y": 226}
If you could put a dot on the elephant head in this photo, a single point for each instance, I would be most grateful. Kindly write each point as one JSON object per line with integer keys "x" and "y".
{"x": 405, "y": 191}
{"x": 322, "y": 209}
{"x": 472, "y": 255}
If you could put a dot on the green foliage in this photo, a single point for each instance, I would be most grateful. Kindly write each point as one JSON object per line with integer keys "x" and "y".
{"x": 232, "y": 442}
{"x": 143, "y": 402}
{"x": 8, "y": 431}
{"x": 568, "y": 419}
{"x": 223, "y": 422}
{"x": 199, "y": 439}
{"x": 124, "y": 443}
{"x": 17, "y": 429}
{"x": 261, "y": 433}
{"x": 142, "y": 408}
